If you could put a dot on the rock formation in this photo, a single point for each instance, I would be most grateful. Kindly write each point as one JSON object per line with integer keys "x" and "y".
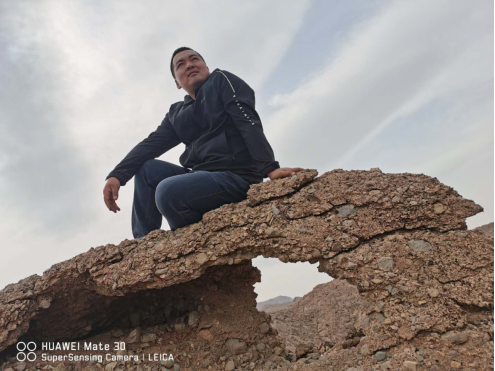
{"x": 323, "y": 318}
{"x": 425, "y": 282}
{"x": 487, "y": 228}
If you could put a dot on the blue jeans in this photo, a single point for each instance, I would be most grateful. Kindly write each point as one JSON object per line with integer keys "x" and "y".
{"x": 180, "y": 195}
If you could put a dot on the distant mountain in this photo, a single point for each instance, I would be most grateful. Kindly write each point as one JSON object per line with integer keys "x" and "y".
{"x": 487, "y": 228}
{"x": 273, "y": 301}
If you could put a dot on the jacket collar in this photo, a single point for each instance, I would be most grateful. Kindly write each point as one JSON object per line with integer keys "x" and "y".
{"x": 188, "y": 99}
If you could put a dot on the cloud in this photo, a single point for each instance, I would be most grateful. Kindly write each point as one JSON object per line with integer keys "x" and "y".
{"x": 406, "y": 86}
{"x": 83, "y": 83}
{"x": 390, "y": 66}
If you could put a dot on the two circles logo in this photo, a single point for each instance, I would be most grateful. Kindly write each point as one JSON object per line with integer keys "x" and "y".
{"x": 26, "y": 351}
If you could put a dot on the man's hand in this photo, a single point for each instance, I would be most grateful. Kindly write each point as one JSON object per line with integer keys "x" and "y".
{"x": 111, "y": 194}
{"x": 284, "y": 172}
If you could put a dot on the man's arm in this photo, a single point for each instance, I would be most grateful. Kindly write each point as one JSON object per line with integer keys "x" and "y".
{"x": 160, "y": 141}
{"x": 239, "y": 102}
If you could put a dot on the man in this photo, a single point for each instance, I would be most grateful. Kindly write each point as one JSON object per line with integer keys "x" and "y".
{"x": 226, "y": 151}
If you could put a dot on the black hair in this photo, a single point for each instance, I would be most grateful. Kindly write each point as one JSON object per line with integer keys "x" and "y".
{"x": 181, "y": 49}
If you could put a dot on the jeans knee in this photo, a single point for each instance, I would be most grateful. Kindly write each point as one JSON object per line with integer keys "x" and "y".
{"x": 167, "y": 196}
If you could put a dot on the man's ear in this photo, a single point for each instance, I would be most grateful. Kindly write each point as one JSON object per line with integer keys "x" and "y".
{"x": 178, "y": 85}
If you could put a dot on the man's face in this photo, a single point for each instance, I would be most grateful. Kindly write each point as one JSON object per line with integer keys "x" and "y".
{"x": 190, "y": 70}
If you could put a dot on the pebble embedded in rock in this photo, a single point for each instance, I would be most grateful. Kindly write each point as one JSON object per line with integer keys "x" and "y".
{"x": 386, "y": 263}
{"x": 302, "y": 349}
{"x": 168, "y": 364}
{"x": 346, "y": 210}
{"x": 193, "y": 319}
{"x": 230, "y": 365}
{"x": 409, "y": 366}
{"x": 236, "y": 346}
{"x": 148, "y": 338}
{"x": 206, "y": 334}
{"x": 439, "y": 208}
{"x": 433, "y": 293}
{"x": 161, "y": 271}
{"x": 380, "y": 356}
{"x": 45, "y": 303}
{"x": 386, "y": 366}
{"x": 456, "y": 337}
{"x": 273, "y": 232}
{"x": 365, "y": 350}
{"x": 179, "y": 326}
{"x": 201, "y": 258}
{"x": 134, "y": 336}
{"x": 347, "y": 223}
{"x": 419, "y": 245}
{"x": 110, "y": 366}
{"x": 455, "y": 364}
{"x": 264, "y": 328}
{"x": 351, "y": 265}
{"x": 20, "y": 366}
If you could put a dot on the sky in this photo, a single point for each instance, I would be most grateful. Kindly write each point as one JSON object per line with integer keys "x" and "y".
{"x": 406, "y": 86}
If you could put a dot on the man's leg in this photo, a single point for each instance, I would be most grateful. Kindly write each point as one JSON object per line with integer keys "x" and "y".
{"x": 183, "y": 199}
{"x": 145, "y": 215}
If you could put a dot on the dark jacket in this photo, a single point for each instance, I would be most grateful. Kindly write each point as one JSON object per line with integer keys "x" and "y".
{"x": 221, "y": 130}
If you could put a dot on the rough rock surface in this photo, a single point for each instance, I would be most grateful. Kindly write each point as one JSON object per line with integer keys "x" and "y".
{"x": 487, "y": 228}
{"x": 322, "y": 318}
{"x": 401, "y": 239}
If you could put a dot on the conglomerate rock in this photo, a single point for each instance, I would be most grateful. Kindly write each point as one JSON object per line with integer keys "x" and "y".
{"x": 426, "y": 283}
{"x": 323, "y": 318}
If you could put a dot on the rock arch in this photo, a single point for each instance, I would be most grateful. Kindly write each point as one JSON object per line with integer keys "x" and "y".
{"x": 400, "y": 238}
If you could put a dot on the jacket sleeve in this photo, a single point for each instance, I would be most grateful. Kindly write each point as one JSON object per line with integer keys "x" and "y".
{"x": 160, "y": 141}
{"x": 239, "y": 101}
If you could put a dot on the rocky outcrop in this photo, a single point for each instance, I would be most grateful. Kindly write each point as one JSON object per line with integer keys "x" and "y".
{"x": 487, "y": 228}
{"x": 425, "y": 282}
{"x": 323, "y": 318}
